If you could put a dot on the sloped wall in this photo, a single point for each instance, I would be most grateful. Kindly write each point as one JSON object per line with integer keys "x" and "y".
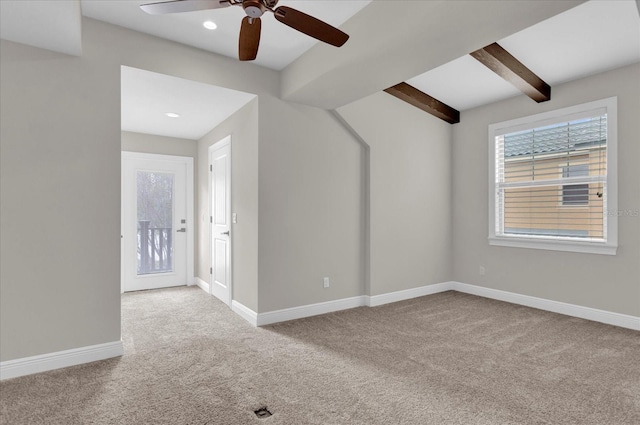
{"x": 410, "y": 192}
{"x": 311, "y": 207}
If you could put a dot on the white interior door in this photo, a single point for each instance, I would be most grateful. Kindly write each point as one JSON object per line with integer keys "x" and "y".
{"x": 220, "y": 168}
{"x": 156, "y": 215}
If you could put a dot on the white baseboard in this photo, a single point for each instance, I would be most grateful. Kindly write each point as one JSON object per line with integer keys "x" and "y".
{"x": 45, "y": 362}
{"x": 407, "y": 294}
{"x": 309, "y": 310}
{"x": 608, "y": 317}
{"x": 602, "y": 316}
{"x": 202, "y": 284}
{"x": 245, "y": 312}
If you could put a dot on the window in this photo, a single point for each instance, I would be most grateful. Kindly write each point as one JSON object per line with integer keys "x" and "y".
{"x": 553, "y": 180}
{"x": 575, "y": 194}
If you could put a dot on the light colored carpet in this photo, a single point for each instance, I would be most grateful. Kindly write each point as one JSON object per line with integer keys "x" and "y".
{"x": 449, "y": 358}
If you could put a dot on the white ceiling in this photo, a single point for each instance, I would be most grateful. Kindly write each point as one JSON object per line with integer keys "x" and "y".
{"x": 392, "y": 41}
{"x": 279, "y": 44}
{"x": 148, "y": 96}
{"x": 590, "y": 38}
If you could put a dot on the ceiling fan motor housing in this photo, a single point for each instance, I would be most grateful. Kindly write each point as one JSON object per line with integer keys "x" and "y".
{"x": 250, "y": 29}
{"x": 253, "y": 8}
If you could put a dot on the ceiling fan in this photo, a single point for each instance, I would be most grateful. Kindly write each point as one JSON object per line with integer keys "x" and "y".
{"x": 251, "y": 24}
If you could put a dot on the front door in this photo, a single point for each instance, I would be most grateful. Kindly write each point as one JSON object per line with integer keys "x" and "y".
{"x": 220, "y": 167}
{"x": 155, "y": 220}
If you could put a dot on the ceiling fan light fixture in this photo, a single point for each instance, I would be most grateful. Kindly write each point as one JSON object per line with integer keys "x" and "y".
{"x": 210, "y": 25}
{"x": 253, "y": 8}
{"x": 172, "y": 114}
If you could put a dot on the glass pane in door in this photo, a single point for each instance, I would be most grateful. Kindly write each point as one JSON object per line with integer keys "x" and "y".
{"x": 155, "y": 222}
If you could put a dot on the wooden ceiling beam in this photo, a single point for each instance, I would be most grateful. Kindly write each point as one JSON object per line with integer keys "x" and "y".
{"x": 511, "y": 69}
{"x": 421, "y": 100}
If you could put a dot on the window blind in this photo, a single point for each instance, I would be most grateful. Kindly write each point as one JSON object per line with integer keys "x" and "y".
{"x": 551, "y": 180}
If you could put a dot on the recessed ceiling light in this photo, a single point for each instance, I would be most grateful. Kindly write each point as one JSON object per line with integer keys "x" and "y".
{"x": 210, "y": 25}
{"x": 172, "y": 114}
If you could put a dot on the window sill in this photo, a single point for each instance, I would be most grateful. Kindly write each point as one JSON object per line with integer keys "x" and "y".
{"x": 560, "y": 245}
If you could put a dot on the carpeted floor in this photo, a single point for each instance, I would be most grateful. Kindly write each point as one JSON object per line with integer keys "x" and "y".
{"x": 449, "y": 358}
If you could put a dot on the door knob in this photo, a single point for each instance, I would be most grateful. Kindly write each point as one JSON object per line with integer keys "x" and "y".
{"x": 183, "y": 229}
{"x": 225, "y": 233}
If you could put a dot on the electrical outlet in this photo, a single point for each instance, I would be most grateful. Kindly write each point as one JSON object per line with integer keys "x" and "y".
{"x": 234, "y": 218}
{"x": 481, "y": 271}
{"x": 325, "y": 282}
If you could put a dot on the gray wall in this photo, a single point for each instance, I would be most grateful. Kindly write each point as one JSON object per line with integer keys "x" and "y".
{"x": 151, "y": 143}
{"x": 60, "y": 189}
{"x": 600, "y": 281}
{"x": 243, "y": 128}
{"x": 60, "y": 194}
{"x": 60, "y": 212}
{"x": 311, "y": 207}
{"x": 410, "y": 192}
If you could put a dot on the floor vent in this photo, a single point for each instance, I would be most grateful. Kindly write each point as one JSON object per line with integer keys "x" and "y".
{"x": 262, "y": 412}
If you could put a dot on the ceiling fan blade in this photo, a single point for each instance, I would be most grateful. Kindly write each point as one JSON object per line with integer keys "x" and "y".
{"x": 249, "y": 38}
{"x": 178, "y": 6}
{"x": 311, "y": 26}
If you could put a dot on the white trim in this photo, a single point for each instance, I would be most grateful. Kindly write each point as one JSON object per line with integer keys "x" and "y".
{"x": 245, "y": 312}
{"x": 202, "y": 284}
{"x": 310, "y": 310}
{"x": 191, "y": 229}
{"x": 588, "y": 313}
{"x": 602, "y": 316}
{"x": 45, "y": 362}
{"x": 555, "y": 182}
{"x": 543, "y": 119}
{"x": 392, "y": 297}
{"x": 156, "y": 156}
{"x": 554, "y": 245}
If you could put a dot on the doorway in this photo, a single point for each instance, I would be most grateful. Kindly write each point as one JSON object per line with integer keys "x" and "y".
{"x": 220, "y": 219}
{"x": 157, "y": 214}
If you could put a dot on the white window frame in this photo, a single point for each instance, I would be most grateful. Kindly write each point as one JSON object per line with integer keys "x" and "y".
{"x": 609, "y": 246}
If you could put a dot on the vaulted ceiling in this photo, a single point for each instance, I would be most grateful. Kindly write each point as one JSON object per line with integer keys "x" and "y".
{"x": 593, "y": 37}
{"x": 279, "y": 45}
{"x": 423, "y": 43}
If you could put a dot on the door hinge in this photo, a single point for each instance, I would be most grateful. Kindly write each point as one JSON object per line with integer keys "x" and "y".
{"x": 210, "y": 219}
{"x": 210, "y": 270}
{"x": 210, "y": 167}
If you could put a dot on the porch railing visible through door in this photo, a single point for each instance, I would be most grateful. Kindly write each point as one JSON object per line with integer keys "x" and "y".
{"x": 155, "y": 249}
